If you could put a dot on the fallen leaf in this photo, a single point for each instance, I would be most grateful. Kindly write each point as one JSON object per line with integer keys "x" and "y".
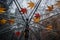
{"x": 31, "y": 4}
{"x": 50, "y": 8}
{"x": 23, "y": 10}
{"x": 17, "y": 33}
{"x": 2, "y": 10}
{"x": 36, "y": 20}
{"x": 37, "y": 15}
{"x": 3, "y": 21}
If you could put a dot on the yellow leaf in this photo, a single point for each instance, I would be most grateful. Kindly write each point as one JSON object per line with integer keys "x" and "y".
{"x": 31, "y": 4}
{"x": 2, "y": 10}
{"x": 49, "y": 27}
{"x": 3, "y": 21}
{"x": 36, "y": 20}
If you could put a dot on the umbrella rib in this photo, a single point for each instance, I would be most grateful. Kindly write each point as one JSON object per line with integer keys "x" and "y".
{"x": 35, "y": 10}
{"x": 10, "y": 3}
{"x": 19, "y": 11}
{"x": 18, "y": 3}
{"x": 19, "y": 6}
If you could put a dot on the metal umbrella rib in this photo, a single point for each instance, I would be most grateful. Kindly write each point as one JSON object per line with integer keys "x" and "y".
{"x": 3, "y": 31}
{"x": 19, "y": 11}
{"x": 36, "y": 7}
{"x": 8, "y": 30}
{"x": 10, "y": 3}
{"x": 20, "y": 7}
{"x": 18, "y": 3}
{"x": 33, "y": 9}
{"x": 50, "y": 17}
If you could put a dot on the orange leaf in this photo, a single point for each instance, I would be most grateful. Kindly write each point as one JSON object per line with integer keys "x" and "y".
{"x": 36, "y": 20}
{"x": 31, "y": 4}
{"x": 2, "y": 10}
{"x": 50, "y": 8}
{"x": 3, "y": 21}
{"x": 49, "y": 27}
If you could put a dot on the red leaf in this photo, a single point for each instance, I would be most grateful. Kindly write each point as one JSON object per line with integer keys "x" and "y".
{"x": 23, "y": 10}
{"x": 37, "y": 15}
{"x": 17, "y": 33}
